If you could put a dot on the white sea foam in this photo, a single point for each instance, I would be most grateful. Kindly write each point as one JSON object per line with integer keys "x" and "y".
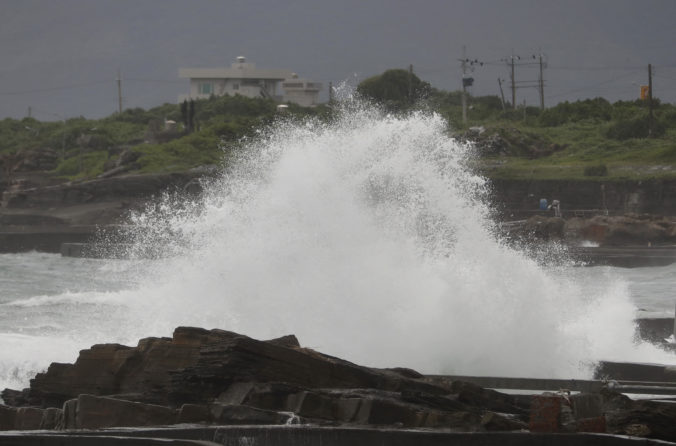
{"x": 23, "y": 356}
{"x": 67, "y": 298}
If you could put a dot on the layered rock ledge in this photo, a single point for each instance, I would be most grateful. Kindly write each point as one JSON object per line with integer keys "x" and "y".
{"x": 215, "y": 377}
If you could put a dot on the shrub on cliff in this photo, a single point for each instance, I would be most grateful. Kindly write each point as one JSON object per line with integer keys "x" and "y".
{"x": 635, "y": 127}
{"x": 597, "y": 109}
{"x": 233, "y": 106}
{"x": 82, "y": 165}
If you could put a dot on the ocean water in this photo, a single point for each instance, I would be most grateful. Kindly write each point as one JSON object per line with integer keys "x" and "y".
{"x": 367, "y": 237}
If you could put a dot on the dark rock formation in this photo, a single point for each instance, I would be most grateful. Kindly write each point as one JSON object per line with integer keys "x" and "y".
{"x": 215, "y": 376}
{"x": 197, "y": 365}
{"x": 218, "y": 377}
{"x": 650, "y": 419}
{"x": 95, "y": 412}
{"x": 7, "y": 418}
{"x": 235, "y": 358}
{"x": 607, "y": 411}
{"x": 626, "y": 241}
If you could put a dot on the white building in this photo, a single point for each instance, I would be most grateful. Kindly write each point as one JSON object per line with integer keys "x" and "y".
{"x": 301, "y": 91}
{"x": 245, "y": 79}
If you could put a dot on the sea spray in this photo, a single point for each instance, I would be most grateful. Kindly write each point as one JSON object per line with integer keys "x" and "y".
{"x": 370, "y": 239}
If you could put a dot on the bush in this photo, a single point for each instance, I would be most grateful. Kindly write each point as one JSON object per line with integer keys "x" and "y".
{"x": 233, "y": 106}
{"x": 636, "y": 127}
{"x": 597, "y": 109}
{"x": 82, "y": 165}
{"x": 667, "y": 116}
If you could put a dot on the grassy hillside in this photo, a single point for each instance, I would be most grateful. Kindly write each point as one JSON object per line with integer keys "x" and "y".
{"x": 591, "y": 139}
{"x": 141, "y": 140}
{"x": 588, "y": 139}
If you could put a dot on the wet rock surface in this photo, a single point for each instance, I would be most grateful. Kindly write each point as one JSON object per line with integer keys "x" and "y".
{"x": 216, "y": 377}
{"x": 630, "y": 240}
{"x": 605, "y": 231}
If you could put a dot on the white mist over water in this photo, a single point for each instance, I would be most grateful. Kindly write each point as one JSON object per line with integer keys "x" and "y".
{"x": 369, "y": 239}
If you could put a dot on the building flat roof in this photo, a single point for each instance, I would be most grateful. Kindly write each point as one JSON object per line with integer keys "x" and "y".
{"x": 233, "y": 73}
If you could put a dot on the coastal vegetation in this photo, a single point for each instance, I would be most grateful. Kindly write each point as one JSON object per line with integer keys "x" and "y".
{"x": 589, "y": 139}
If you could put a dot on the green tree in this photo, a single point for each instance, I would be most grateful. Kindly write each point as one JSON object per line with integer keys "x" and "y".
{"x": 396, "y": 88}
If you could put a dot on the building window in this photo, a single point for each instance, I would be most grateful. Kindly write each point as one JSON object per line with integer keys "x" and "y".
{"x": 206, "y": 88}
{"x": 235, "y": 86}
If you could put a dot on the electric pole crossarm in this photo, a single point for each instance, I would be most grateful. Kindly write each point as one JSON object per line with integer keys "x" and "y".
{"x": 467, "y": 65}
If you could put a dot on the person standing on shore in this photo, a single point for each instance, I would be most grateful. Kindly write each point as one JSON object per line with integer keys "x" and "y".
{"x": 556, "y": 205}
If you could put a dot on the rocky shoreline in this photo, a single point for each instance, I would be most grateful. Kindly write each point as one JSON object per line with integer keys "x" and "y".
{"x": 43, "y": 217}
{"x": 207, "y": 378}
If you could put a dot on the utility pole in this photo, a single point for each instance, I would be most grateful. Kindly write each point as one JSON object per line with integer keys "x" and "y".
{"x": 467, "y": 66}
{"x": 119, "y": 91}
{"x": 330, "y": 93}
{"x": 514, "y": 60}
{"x": 30, "y": 111}
{"x": 650, "y": 100}
{"x": 502, "y": 94}
{"x": 542, "y": 86}
{"x": 513, "y": 84}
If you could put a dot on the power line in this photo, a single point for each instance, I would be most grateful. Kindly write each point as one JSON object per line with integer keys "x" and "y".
{"x": 64, "y": 87}
{"x": 45, "y": 112}
{"x": 515, "y": 60}
{"x": 86, "y": 84}
{"x": 664, "y": 77}
{"x": 166, "y": 81}
{"x": 589, "y": 87}
{"x": 595, "y": 68}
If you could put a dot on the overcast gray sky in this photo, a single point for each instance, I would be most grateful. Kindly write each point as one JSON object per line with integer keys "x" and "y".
{"x": 61, "y": 58}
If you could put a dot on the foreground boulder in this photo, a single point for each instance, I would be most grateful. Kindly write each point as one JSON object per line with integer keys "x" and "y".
{"x": 197, "y": 365}
{"x": 218, "y": 377}
{"x": 94, "y": 412}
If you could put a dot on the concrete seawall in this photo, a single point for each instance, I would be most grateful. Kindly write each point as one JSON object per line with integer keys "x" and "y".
{"x": 519, "y": 198}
